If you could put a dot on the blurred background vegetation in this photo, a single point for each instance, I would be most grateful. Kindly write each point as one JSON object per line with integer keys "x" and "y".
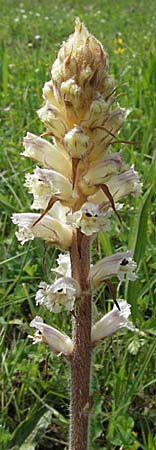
{"x": 34, "y": 382}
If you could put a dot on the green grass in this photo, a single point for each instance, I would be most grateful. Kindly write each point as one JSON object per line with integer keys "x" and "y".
{"x": 34, "y": 400}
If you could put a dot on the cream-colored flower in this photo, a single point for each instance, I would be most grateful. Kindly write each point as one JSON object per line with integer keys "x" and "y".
{"x": 59, "y": 212}
{"x": 100, "y": 172}
{"x": 53, "y": 119}
{"x": 90, "y": 219}
{"x": 120, "y": 265}
{"x": 48, "y": 229}
{"x": 58, "y": 341}
{"x": 44, "y": 183}
{"x": 50, "y": 156}
{"x": 61, "y": 293}
{"x": 119, "y": 185}
{"x": 112, "y": 322}
{"x": 124, "y": 184}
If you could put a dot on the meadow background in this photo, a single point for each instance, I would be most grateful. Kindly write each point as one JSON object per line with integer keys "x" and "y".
{"x": 34, "y": 382}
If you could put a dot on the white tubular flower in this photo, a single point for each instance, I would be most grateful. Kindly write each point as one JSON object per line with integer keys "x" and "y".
{"x": 61, "y": 293}
{"x": 53, "y": 120}
{"x": 44, "y": 183}
{"x": 112, "y": 322}
{"x": 50, "y": 156}
{"x": 101, "y": 172}
{"x": 76, "y": 142}
{"x": 64, "y": 265}
{"x": 48, "y": 229}
{"x": 119, "y": 265}
{"x": 119, "y": 185}
{"x": 90, "y": 219}
{"x": 124, "y": 184}
{"x": 58, "y": 341}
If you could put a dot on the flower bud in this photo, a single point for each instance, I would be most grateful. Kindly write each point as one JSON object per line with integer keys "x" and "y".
{"x": 95, "y": 113}
{"x": 48, "y": 93}
{"x": 76, "y": 142}
{"x": 103, "y": 134}
{"x": 80, "y": 68}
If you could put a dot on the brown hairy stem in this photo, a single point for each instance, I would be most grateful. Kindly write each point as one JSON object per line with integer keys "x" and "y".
{"x": 81, "y": 357}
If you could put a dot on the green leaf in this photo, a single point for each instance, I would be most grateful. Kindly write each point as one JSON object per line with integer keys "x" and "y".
{"x": 6, "y": 202}
{"x": 25, "y": 428}
{"x": 139, "y": 236}
{"x": 120, "y": 430}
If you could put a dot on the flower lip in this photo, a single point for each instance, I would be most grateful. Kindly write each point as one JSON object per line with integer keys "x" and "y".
{"x": 61, "y": 293}
{"x": 45, "y": 183}
{"x": 90, "y": 219}
{"x": 64, "y": 265}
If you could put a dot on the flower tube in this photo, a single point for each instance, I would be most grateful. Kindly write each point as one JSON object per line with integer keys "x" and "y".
{"x": 62, "y": 292}
{"x": 47, "y": 154}
{"x": 101, "y": 172}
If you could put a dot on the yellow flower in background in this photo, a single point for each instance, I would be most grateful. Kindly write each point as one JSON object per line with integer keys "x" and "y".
{"x": 118, "y": 41}
{"x": 119, "y": 50}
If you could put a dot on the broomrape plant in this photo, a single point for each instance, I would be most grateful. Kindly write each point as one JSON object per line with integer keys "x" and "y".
{"x": 77, "y": 188}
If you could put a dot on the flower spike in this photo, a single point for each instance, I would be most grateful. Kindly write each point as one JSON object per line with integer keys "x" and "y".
{"x": 76, "y": 190}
